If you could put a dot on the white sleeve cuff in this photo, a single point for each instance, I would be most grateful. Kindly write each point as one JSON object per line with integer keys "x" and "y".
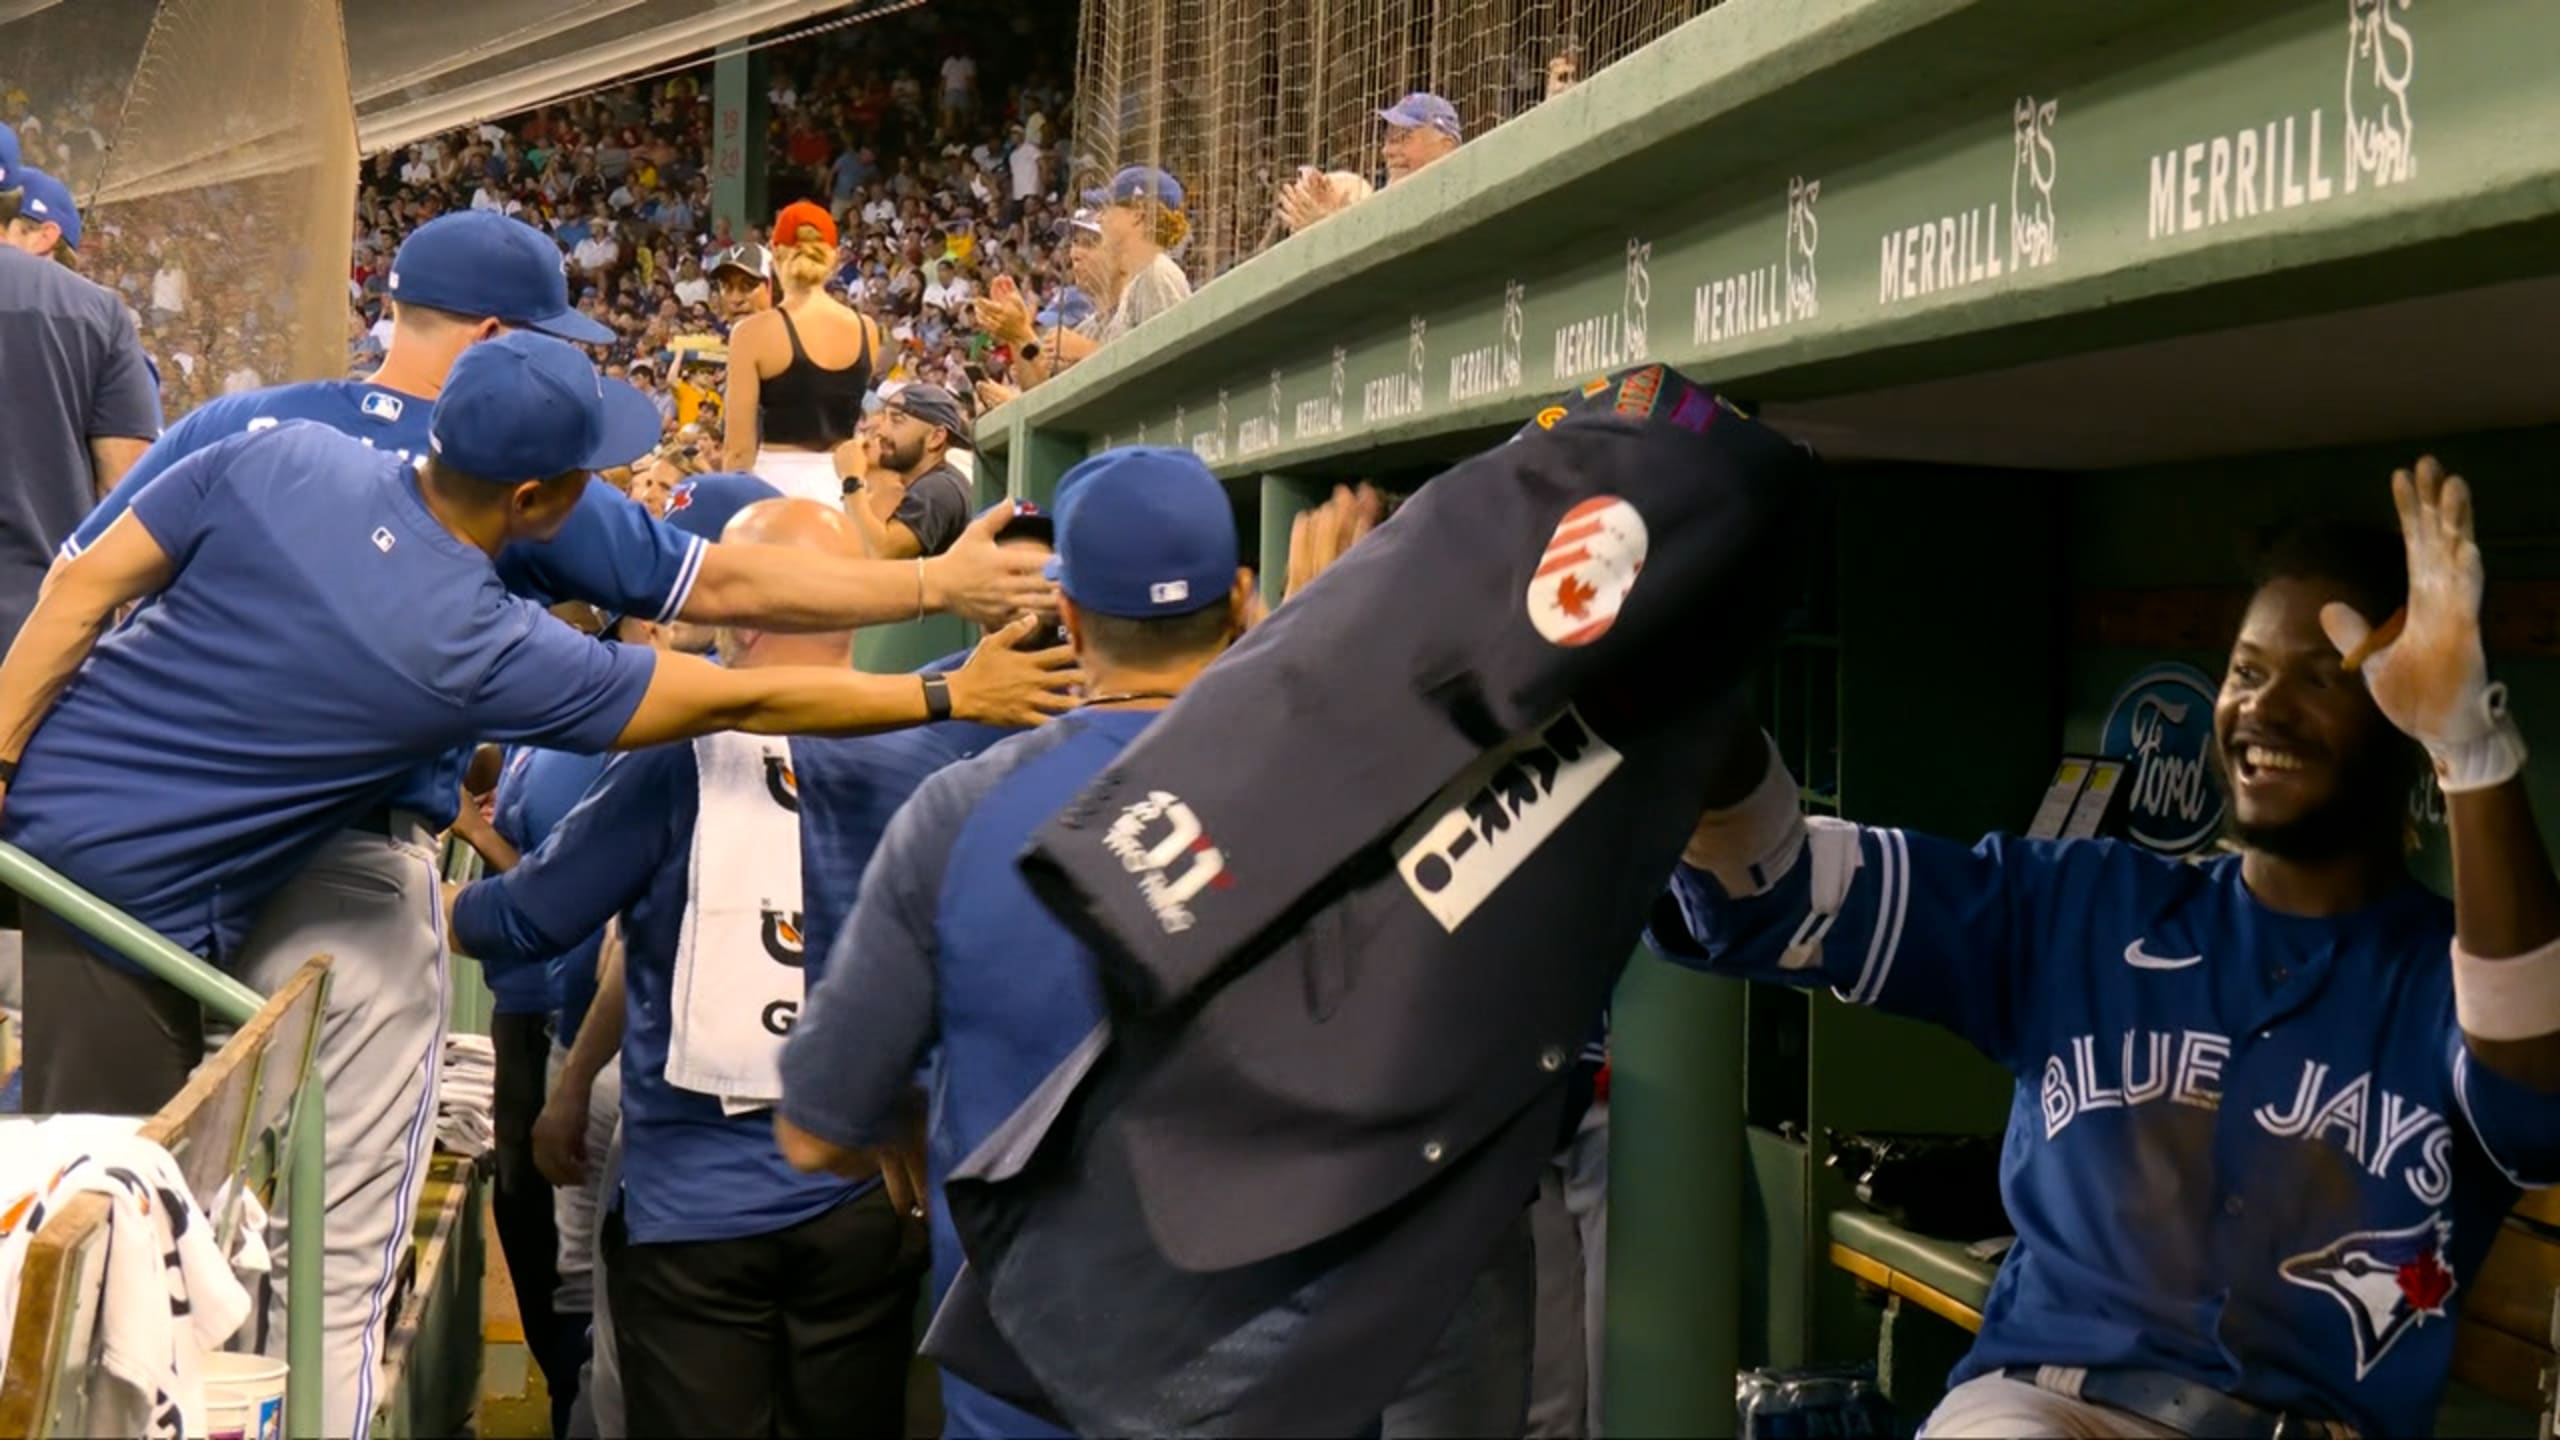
{"x": 2512, "y": 999}
{"x": 1751, "y": 847}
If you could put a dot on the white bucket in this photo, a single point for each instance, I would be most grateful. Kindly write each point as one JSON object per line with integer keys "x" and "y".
{"x": 243, "y": 1397}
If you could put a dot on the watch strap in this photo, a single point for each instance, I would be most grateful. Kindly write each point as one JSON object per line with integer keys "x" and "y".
{"x": 937, "y": 697}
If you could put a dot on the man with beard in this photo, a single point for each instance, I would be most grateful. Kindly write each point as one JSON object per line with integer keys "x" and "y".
{"x": 2265, "y": 1130}
{"x": 912, "y": 499}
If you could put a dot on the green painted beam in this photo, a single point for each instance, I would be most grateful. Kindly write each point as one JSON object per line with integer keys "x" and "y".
{"x": 1807, "y": 199}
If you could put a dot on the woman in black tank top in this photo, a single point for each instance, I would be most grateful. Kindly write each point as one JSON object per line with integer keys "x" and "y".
{"x": 785, "y": 413}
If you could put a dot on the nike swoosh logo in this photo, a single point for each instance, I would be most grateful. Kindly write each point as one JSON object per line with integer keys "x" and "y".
{"x": 2139, "y": 959}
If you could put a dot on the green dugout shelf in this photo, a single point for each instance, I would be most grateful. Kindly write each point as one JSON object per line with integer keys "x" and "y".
{"x": 2078, "y": 299}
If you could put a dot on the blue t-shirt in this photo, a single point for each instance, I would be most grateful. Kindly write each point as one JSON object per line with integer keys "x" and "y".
{"x": 951, "y": 956}
{"x": 691, "y": 1172}
{"x": 610, "y": 552}
{"x": 2248, "y": 1148}
{"x": 321, "y": 631}
{"x": 536, "y": 790}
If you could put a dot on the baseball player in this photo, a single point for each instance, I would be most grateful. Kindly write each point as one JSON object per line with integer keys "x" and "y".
{"x": 2271, "y": 1109}
{"x": 284, "y": 644}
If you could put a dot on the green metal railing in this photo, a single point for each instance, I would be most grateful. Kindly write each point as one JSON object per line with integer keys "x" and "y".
{"x": 232, "y": 1003}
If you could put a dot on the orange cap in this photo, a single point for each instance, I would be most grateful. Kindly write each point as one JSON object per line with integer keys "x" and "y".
{"x": 786, "y": 226}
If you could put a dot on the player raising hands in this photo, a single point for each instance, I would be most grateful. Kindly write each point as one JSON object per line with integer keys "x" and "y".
{"x": 2263, "y": 1133}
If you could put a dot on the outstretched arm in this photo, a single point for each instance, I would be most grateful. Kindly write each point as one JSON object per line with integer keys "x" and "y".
{"x": 2429, "y": 672}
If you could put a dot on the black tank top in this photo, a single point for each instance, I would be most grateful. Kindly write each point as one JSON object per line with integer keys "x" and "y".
{"x": 808, "y": 407}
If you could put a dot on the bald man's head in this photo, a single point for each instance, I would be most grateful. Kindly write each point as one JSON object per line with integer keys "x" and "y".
{"x": 798, "y": 524}
{"x": 791, "y": 524}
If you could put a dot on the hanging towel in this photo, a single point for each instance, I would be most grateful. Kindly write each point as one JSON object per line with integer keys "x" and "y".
{"x": 738, "y": 961}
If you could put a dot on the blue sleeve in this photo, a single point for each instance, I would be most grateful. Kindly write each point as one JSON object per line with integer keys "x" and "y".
{"x": 2517, "y": 1125}
{"x": 178, "y": 505}
{"x": 870, "y": 1010}
{"x": 611, "y": 553}
{"x": 1909, "y": 924}
{"x": 599, "y": 860}
{"x": 201, "y": 427}
{"x": 127, "y": 397}
{"x": 548, "y": 685}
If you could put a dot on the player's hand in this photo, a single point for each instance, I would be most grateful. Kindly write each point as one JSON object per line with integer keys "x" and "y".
{"x": 1002, "y": 685}
{"x": 2426, "y": 667}
{"x": 560, "y": 1136}
{"x": 984, "y": 583}
{"x": 1322, "y": 535}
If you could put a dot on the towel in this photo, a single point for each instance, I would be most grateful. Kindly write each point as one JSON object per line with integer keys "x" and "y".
{"x": 738, "y": 977}
{"x": 466, "y": 1096}
{"x": 171, "y": 1295}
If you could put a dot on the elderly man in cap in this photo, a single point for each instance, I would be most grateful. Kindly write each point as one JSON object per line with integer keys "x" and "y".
{"x": 1421, "y": 128}
{"x": 904, "y": 493}
{"x": 46, "y": 222}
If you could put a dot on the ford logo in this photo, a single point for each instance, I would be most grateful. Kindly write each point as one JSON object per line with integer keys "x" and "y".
{"x": 2161, "y": 726}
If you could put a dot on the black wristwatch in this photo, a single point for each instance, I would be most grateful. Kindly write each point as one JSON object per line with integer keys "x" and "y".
{"x": 937, "y": 698}
{"x": 1031, "y": 350}
{"x": 853, "y": 484}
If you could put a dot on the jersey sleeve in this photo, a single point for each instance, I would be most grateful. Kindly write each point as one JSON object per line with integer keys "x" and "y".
{"x": 548, "y": 685}
{"x": 201, "y": 427}
{"x": 870, "y": 1015}
{"x": 1910, "y": 924}
{"x": 2517, "y": 1125}
{"x": 611, "y": 553}
{"x": 181, "y": 501}
{"x": 128, "y": 398}
{"x": 601, "y": 858}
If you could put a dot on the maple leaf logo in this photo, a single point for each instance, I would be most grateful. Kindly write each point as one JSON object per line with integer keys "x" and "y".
{"x": 1574, "y": 598}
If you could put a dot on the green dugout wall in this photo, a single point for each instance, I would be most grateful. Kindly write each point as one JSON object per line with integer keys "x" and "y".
{"x": 2076, "y": 297}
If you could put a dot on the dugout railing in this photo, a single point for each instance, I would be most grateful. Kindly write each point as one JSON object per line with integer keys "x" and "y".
{"x": 246, "y": 1120}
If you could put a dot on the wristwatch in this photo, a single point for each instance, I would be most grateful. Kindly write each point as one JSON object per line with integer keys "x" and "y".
{"x": 937, "y": 697}
{"x": 1030, "y": 350}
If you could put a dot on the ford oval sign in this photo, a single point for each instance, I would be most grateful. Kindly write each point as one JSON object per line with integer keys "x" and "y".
{"x": 2161, "y": 726}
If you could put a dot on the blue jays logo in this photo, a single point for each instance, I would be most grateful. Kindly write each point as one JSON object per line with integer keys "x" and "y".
{"x": 781, "y": 784}
{"x": 782, "y": 938}
{"x": 2388, "y": 1281}
{"x": 680, "y": 498}
{"x": 2162, "y": 726}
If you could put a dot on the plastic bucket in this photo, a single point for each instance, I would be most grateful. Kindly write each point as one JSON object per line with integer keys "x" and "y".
{"x": 243, "y": 1397}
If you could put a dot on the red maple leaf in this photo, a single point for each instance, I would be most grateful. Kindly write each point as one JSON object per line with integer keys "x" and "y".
{"x": 1574, "y": 598}
{"x": 2424, "y": 1283}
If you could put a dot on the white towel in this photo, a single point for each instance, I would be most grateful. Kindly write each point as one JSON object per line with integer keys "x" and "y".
{"x": 738, "y": 977}
{"x": 171, "y": 1296}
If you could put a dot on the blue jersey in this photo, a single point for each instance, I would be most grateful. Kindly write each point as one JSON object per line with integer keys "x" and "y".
{"x": 2250, "y": 1149}
{"x": 610, "y": 552}
{"x": 536, "y": 790}
{"x": 321, "y": 631}
{"x": 950, "y": 955}
{"x": 691, "y": 1171}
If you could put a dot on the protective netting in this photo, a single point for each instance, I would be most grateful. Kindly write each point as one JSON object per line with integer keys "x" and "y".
{"x": 1232, "y": 96}
{"x": 210, "y": 146}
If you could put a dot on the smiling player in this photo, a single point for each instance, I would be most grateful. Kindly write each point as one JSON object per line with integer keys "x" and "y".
{"x": 2265, "y": 1129}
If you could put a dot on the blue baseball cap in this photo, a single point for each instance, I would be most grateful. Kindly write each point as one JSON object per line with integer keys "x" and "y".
{"x": 1139, "y": 182}
{"x": 1144, "y": 532}
{"x": 1424, "y": 108}
{"x": 528, "y": 407}
{"x": 47, "y": 201}
{"x": 479, "y": 262}
{"x": 705, "y": 504}
{"x": 8, "y": 157}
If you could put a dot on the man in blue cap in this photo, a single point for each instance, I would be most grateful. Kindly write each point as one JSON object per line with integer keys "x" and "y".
{"x": 1123, "y": 253}
{"x": 458, "y": 281}
{"x": 47, "y": 223}
{"x": 538, "y": 1000}
{"x": 321, "y": 620}
{"x": 745, "y": 1297}
{"x": 947, "y": 953}
{"x": 1421, "y": 128}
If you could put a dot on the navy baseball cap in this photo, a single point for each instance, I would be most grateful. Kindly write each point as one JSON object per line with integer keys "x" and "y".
{"x": 1138, "y": 182}
{"x": 1424, "y": 108}
{"x": 46, "y": 200}
{"x": 1144, "y": 532}
{"x": 934, "y": 406}
{"x": 1029, "y": 522}
{"x": 705, "y": 504}
{"x": 528, "y": 407}
{"x": 479, "y": 262}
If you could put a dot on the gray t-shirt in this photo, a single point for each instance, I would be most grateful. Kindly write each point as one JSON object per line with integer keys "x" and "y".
{"x": 1151, "y": 292}
{"x": 71, "y": 370}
